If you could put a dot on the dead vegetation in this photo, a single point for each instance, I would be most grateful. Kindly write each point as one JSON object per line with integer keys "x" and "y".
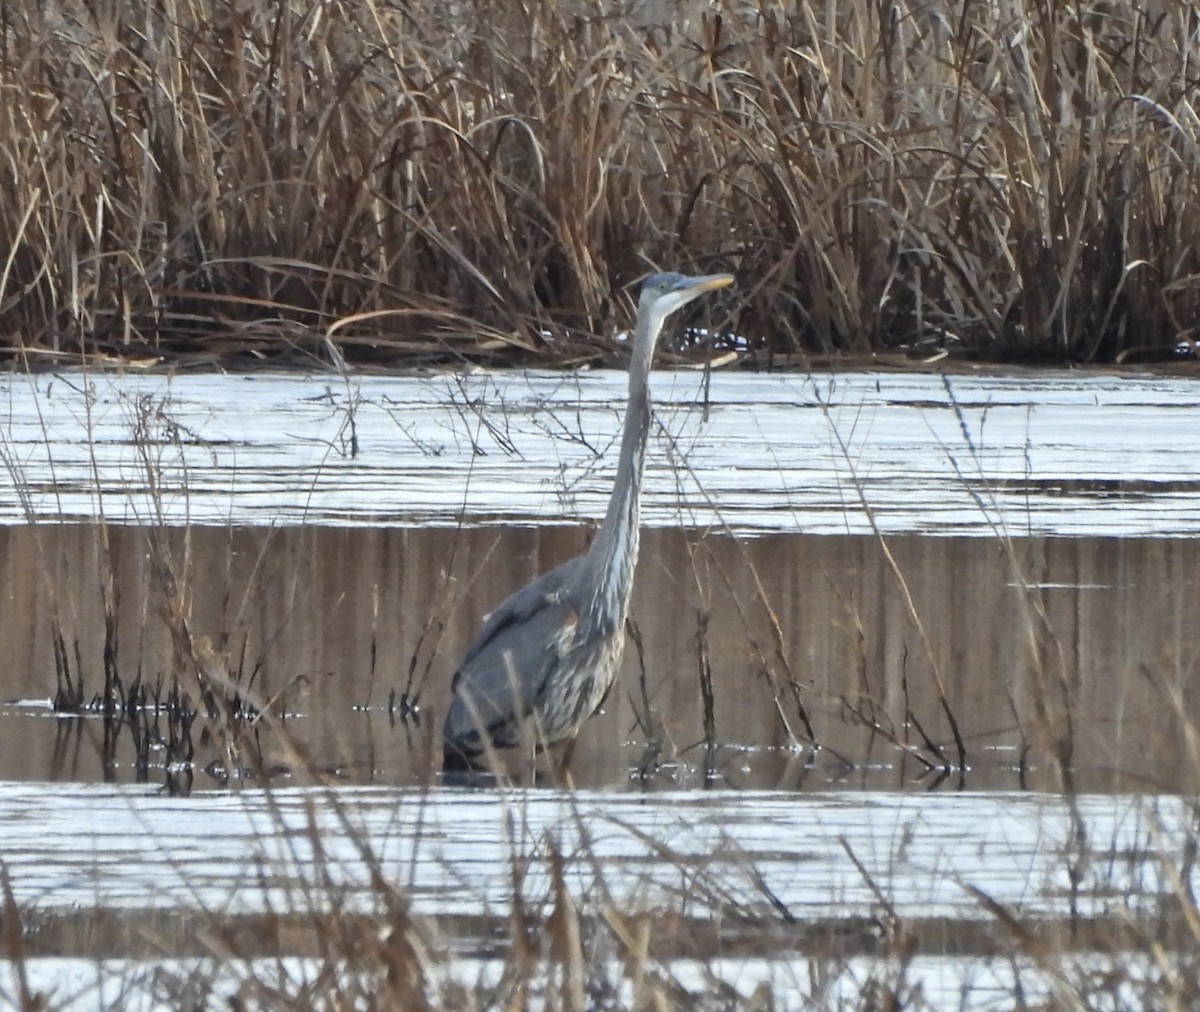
{"x": 574, "y": 926}
{"x": 219, "y": 182}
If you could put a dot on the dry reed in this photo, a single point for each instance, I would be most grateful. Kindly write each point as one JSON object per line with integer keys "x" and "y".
{"x": 202, "y": 182}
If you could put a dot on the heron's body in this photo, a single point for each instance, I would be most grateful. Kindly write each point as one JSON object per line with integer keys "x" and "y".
{"x": 546, "y": 657}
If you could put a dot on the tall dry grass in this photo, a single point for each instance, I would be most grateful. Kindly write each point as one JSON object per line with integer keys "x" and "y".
{"x": 234, "y": 181}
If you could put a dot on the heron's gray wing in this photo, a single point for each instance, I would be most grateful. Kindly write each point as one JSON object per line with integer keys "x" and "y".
{"x": 507, "y": 664}
{"x": 546, "y": 590}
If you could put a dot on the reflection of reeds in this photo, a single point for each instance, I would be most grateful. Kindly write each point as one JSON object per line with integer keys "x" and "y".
{"x": 123, "y": 700}
{"x": 811, "y": 642}
{"x": 392, "y": 181}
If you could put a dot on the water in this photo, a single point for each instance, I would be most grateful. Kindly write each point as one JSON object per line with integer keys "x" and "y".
{"x": 843, "y": 454}
{"x": 989, "y": 707}
{"x": 814, "y": 856}
{"x": 828, "y": 860}
{"x": 810, "y": 642}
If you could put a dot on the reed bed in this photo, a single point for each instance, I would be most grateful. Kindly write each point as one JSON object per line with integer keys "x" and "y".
{"x": 244, "y": 183}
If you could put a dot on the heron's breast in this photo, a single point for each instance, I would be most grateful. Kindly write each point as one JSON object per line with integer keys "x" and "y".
{"x": 582, "y": 681}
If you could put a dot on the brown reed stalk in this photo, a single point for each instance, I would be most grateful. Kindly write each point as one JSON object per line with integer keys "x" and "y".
{"x": 14, "y": 948}
{"x": 209, "y": 182}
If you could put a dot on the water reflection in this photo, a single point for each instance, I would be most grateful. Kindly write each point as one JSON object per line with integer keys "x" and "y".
{"x": 454, "y": 849}
{"x": 1040, "y": 654}
{"x": 1080, "y": 454}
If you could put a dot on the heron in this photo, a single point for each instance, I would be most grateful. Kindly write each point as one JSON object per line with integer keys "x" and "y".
{"x": 544, "y": 660}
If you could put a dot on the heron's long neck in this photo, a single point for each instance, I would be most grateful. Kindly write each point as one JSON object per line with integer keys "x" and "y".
{"x": 614, "y": 551}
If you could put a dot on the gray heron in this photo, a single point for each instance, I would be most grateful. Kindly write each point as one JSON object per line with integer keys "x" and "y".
{"x": 546, "y": 657}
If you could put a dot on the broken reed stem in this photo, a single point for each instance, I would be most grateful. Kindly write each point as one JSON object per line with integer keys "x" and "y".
{"x": 706, "y": 680}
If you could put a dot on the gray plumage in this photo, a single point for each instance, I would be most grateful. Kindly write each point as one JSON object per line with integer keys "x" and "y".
{"x": 546, "y": 657}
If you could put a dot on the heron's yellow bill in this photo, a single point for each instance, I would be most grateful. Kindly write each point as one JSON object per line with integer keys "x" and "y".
{"x": 707, "y": 282}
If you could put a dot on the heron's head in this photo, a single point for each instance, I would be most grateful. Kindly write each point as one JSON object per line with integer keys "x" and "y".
{"x": 664, "y": 293}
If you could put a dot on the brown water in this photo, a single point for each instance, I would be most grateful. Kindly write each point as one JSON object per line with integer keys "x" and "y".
{"x": 1045, "y": 645}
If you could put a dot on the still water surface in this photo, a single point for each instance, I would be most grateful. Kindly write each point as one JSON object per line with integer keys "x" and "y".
{"x": 823, "y": 674}
{"x": 840, "y": 454}
{"x": 337, "y": 543}
{"x": 839, "y": 863}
